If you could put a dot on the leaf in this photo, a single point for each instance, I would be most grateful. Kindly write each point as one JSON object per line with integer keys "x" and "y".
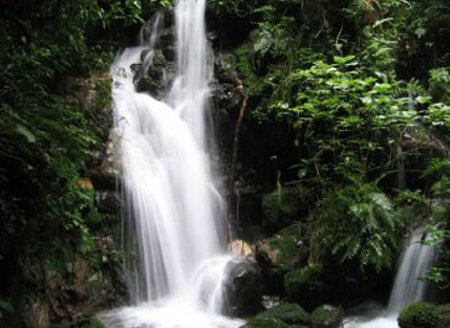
{"x": 343, "y": 60}
{"x": 23, "y": 130}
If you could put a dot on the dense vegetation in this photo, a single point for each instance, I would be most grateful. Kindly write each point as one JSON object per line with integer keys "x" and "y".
{"x": 362, "y": 87}
{"x": 53, "y": 54}
{"x": 358, "y": 89}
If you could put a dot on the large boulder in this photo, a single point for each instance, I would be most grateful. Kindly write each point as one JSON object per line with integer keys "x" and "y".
{"x": 243, "y": 288}
{"x": 326, "y": 316}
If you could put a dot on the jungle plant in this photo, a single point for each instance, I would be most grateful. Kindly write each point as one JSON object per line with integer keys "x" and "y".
{"x": 358, "y": 223}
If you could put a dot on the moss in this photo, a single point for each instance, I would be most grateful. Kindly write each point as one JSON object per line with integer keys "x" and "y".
{"x": 326, "y": 316}
{"x": 420, "y": 315}
{"x": 289, "y": 313}
{"x": 292, "y": 250}
{"x": 259, "y": 322}
{"x": 303, "y": 283}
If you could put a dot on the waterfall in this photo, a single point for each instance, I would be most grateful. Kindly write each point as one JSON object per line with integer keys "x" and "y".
{"x": 414, "y": 264}
{"x": 172, "y": 210}
{"x": 408, "y": 287}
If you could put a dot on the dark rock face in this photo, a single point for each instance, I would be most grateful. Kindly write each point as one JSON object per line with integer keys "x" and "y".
{"x": 243, "y": 292}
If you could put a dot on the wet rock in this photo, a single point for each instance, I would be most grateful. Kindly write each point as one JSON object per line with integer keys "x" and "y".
{"x": 155, "y": 74}
{"x": 243, "y": 290}
{"x": 326, "y": 316}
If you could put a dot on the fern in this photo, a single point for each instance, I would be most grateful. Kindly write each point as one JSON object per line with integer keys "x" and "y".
{"x": 437, "y": 167}
{"x": 359, "y": 223}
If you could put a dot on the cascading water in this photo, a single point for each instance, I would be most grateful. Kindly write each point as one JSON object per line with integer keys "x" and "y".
{"x": 408, "y": 287}
{"x": 175, "y": 264}
{"x": 414, "y": 263}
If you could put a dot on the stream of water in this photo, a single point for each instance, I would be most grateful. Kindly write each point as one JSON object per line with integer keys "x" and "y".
{"x": 408, "y": 286}
{"x": 173, "y": 211}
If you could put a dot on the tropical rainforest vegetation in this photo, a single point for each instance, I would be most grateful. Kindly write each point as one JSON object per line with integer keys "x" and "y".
{"x": 355, "y": 96}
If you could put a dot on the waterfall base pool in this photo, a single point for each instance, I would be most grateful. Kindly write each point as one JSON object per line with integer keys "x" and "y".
{"x": 166, "y": 314}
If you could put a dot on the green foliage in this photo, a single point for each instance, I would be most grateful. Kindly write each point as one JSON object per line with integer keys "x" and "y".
{"x": 304, "y": 282}
{"x": 48, "y": 133}
{"x": 347, "y": 123}
{"x": 420, "y": 315}
{"x": 439, "y": 227}
{"x": 358, "y": 223}
{"x": 356, "y": 121}
{"x": 440, "y": 84}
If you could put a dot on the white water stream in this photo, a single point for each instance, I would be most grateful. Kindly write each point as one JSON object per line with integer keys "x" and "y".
{"x": 175, "y": 260}
{"x": 408, "y": 287}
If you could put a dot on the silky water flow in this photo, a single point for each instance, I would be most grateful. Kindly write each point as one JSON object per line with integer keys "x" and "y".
{"x": 173, "y": 212}
{"x": 408, "y": 286}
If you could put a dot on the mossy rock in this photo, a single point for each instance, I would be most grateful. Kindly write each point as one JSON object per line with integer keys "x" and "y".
{"x": 420, "y": 315}
{"x": 288, "y": 249}
{"x": 280, "y": 208}
{"x": 326, "y": 316}
{"x": 304, "y": 285}
{"x": 260, "y": 322}
{"x": 291, "y": 314}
